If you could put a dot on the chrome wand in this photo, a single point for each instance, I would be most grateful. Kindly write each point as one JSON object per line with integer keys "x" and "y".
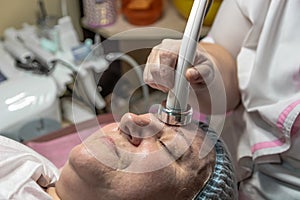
{"x": 176, "y": 110}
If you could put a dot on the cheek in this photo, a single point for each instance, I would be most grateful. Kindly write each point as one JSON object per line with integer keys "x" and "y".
{"x": 161, "y": 184}
{"x": 86, "y": 166}
{"x": 73, "y": 175}
{"x": 68, "y": 182}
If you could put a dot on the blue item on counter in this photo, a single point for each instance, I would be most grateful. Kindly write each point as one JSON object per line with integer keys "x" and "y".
{"x": 2, "y": 77}
{"x": 82, "y": 51}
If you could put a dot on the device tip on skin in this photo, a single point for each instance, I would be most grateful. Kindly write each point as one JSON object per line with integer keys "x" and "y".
{"x": 174, "y": 117}
{"x": 170, "y": 111}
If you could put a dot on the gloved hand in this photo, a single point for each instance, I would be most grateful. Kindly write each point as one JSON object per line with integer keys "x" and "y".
{"x": 213, "y": 76}
{"x": 159, "y": 71}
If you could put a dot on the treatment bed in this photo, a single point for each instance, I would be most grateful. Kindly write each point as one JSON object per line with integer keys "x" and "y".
{"x": 56, "y": 146}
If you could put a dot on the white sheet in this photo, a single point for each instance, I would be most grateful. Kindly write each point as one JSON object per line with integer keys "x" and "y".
{"x": 24, "y": 172}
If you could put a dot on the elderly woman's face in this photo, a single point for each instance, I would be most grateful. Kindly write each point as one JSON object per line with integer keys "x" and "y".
{"x": 138, "y": 158}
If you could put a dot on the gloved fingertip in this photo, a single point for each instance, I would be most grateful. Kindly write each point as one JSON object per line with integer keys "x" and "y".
{"x": 192, "y": 74}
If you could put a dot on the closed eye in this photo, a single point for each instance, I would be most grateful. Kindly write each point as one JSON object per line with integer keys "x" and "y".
{"x": 177, "y": 147}
{"x": 167, "y": 149}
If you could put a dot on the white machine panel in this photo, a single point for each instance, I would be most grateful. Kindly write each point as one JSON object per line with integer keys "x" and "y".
{"x": 27, "y": 99}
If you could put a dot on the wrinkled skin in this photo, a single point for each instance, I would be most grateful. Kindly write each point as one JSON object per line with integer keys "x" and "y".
{"x": 136, "y": 144}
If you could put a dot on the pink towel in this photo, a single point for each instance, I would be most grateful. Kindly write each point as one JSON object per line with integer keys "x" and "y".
{"x": 57, "y": 150}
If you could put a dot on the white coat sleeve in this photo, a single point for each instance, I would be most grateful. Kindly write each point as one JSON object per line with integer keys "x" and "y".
{"x": 230, "y": 27}
{"x": 24, "y": 173}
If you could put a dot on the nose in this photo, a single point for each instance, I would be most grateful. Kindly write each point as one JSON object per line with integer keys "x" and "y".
{"x": 139, "y": 127}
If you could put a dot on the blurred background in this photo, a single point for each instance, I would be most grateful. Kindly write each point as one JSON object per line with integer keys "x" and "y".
{"x": 60, "y": 57}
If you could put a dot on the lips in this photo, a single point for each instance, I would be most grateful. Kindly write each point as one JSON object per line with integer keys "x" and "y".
{"x": 109, "y": 142}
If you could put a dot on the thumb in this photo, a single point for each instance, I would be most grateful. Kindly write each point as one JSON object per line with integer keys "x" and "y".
{"x": 199, "y": 74}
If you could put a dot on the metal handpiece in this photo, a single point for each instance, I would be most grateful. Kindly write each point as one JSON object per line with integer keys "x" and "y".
{"x": 176, "y": 111}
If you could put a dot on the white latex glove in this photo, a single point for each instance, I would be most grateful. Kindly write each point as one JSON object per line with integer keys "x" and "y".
{"x": 24, "y": 172}
{"x": 159, "y": 71}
